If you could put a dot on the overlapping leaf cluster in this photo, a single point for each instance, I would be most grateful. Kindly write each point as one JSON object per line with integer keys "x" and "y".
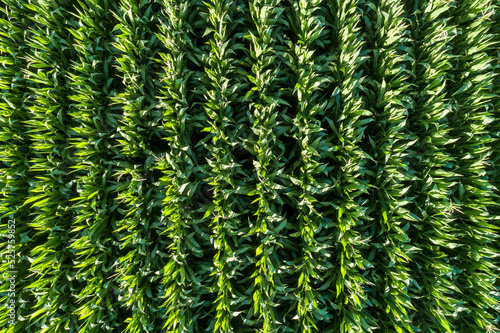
{"x": 241, "y": 166}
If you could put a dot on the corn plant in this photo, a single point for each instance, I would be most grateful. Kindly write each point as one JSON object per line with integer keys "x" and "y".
{"x": 250, "y": 166}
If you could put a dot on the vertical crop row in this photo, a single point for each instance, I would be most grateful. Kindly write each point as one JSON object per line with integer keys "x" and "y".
{"x": 433, "y": 232}
{"x": 227, "y": 125}
{"x": 471, "y": 80}
{"x": 387, "y": 140}
{"x": 345, "y": 283}
{"x": 268, "y": 149}
{"x": 184, "y": 205}
{"x": 52, "y": 187}
{"x": 91, "y": 82}
{"x": 139, "y": 131}
{"x": 15, "y": 175}
{"x": 308, "y": 175}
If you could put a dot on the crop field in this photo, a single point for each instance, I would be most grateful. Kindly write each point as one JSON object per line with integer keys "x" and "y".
{"x": 316, "y": 166}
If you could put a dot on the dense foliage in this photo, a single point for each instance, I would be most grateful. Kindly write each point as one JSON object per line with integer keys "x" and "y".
{"x": 242, "y": 166}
